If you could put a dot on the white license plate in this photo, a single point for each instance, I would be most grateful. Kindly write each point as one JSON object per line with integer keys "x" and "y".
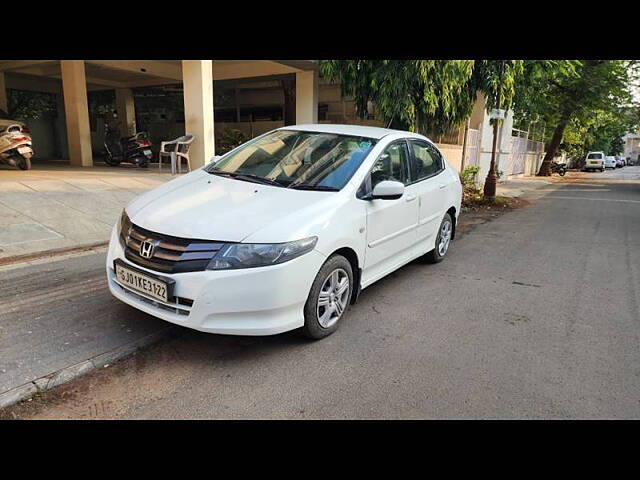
{"x": 147, "y": 152}
{"x": 24, "y": 149}
{"x": 145, "y": 284}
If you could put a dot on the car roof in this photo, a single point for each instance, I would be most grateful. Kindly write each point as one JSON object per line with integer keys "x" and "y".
{"x": 355, "y": 130}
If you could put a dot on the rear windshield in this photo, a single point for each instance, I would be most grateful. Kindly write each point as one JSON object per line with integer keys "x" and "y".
{"x": 595, "y": 155}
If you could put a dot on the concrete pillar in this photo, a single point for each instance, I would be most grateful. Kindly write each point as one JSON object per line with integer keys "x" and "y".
{"x": 3, "y": 94}
{"x": 62, "y": 149}
{"x": 307, "y": 97}
{"x": 197, "y": 79}
{"x": 126, "y": 111}
{"x": 76, "y": 108}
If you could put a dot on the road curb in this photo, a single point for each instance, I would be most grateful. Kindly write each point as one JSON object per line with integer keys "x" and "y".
{"x": 72, "y": 372}
{"x": 51, "y": 253}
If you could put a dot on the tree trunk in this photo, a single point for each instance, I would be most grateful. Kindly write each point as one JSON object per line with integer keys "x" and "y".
{"x": 556, "y": 139}
{"x": 289, "y": 90}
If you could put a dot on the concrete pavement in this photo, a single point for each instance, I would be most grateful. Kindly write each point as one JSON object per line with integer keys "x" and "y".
{"x": 533, "y": 315}
{"x": 58, "y": 207}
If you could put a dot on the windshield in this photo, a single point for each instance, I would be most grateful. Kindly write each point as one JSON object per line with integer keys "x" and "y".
{"x": 296, "y": 159}
{"x": 597, "y": 156}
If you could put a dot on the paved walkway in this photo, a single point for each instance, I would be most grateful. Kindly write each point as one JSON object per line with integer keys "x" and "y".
{"x": 58, "y": 206}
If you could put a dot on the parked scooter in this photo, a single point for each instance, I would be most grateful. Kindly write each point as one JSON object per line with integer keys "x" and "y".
{"x": 559, "y": 168}
{"x": 15, "y": 147}
{"x": 135, "y": 149}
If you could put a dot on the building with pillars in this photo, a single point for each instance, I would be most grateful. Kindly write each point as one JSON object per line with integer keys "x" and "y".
{"x": 211, "y": 97}
{"x": 71, "y": 80}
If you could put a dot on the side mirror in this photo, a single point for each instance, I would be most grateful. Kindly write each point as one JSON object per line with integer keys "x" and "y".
{"x": 215, "y": 158}
{"x": 387, "y": 190}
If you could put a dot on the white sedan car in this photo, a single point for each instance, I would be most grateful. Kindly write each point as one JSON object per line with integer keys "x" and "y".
{"x": 285, "y": 230}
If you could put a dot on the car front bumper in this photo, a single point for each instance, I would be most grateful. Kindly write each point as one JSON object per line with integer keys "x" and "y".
{"x": 251, "y": 301}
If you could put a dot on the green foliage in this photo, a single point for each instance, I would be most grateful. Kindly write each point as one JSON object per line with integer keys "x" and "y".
{"x": 420, "y": 95}
{"x": 486, "y": 78}
{"x": 425, "y": 96}
{"x": 101, "y": 102}
{"x": 592, "y": 98}
{"x": 25, "y": 105}
{"x": 469, "y": 174}
{"x": 229, "y": 140}
{"x": 471, "y": 194}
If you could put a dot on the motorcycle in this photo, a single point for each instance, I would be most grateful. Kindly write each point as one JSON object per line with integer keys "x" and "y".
{"x": 559, "y": 168}
{"x": 15, "y": 147}
{"x": 134, "y": 149}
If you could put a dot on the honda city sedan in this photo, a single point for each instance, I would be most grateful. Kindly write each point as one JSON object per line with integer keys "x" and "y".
{"x": 285, "y": 231}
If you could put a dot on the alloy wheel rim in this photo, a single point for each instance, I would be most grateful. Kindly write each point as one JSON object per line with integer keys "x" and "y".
{"x": 445, "y": 237}
{"x": 333, "y": 298}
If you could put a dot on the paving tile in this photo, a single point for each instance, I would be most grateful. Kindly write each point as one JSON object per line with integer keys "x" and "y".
{"x": 24, "y": 233}
{"x": 9, "y": 217}
{"x": 91, "y": 184}
{"x": 50, "y": 186}
{"x": 13, "y": 187}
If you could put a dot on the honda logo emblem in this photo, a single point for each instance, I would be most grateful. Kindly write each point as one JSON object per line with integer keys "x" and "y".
{"x": 146, "y": 248}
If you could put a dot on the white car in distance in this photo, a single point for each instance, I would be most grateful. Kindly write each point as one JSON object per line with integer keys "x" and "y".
{"x": 284, "y": 231}
{"x": 594, "y": 161}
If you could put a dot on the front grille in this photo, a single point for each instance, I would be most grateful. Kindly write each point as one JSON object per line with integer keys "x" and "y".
{"x": 171, "y": 254}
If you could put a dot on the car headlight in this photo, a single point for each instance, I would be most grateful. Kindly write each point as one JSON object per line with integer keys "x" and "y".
{"x": 250, "y": 255}
{"x": 124, "y": 224}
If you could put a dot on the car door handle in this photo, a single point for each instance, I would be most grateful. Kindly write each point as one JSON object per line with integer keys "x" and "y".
{"x": 411, "y": 198}
{"x": 441, "y": 186}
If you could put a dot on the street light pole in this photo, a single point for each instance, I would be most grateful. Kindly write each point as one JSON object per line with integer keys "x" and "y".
{"x": 491, "y": 180}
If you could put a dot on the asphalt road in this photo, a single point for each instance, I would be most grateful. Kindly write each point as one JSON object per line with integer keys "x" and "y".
{"x": 535, "y": 314}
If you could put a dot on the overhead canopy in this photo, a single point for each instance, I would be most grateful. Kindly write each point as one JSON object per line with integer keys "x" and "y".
{"x": 102, "y": 74}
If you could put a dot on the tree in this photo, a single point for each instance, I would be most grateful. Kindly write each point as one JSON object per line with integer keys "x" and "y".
{"x": 418, "y": 95}
{"x": 426, "y": 96}
{"x": 568, "y": 94}
{"x": 497, "y": 80}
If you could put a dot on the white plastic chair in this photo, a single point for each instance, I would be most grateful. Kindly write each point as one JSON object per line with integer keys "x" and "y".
{"x": 176, "y": 149}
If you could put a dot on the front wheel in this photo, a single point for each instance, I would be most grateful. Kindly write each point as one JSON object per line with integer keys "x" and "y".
{"x": 329, "y": 298}
{"x": 562, "y": 172}
{"x": 24, "y": 163}
{"x": 443, "y": 239}
{"x": 111, "y": 161}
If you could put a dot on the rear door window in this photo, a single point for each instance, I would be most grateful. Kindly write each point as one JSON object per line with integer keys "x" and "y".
{"x": 425, "y": 161}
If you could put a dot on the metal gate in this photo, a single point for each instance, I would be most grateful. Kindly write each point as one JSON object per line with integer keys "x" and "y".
{"x": 473, "y": 147}
{"x": 515, "y": 164}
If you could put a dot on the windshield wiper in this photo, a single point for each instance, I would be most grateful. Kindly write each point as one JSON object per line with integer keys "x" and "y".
{"x": 248, "y": 177}
{"x": 306, "y": 186}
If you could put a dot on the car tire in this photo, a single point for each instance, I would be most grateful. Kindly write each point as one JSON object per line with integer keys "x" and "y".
{"x": 443, "y": 240}
{"x": 328, "y": 303}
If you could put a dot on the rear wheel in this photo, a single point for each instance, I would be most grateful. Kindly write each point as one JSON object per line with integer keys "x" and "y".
{"x": 443, "y": 239}
{"x": 24, "y": 163}
{"x": 329, "y": 298}
{"x": 141, "y": 161}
